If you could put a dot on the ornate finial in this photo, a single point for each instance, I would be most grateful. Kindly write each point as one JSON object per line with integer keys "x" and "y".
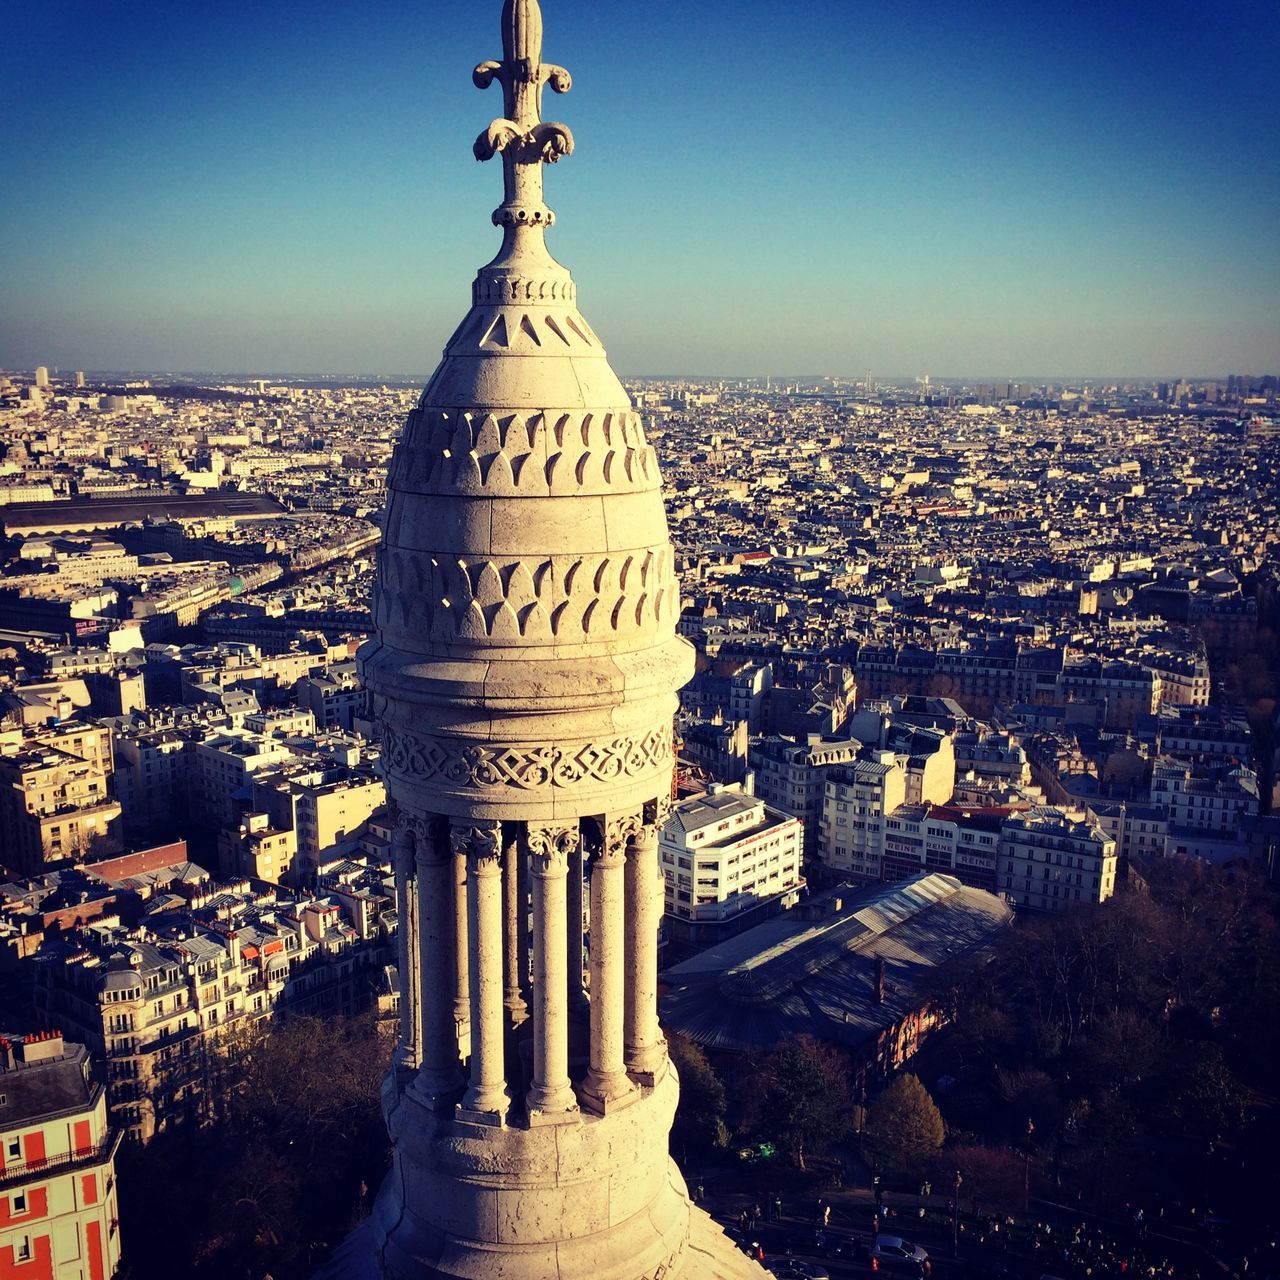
{"x": 524, "y": 140}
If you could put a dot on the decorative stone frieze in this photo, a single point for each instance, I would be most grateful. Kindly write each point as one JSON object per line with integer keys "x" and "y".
{"x": 527, "y": 768}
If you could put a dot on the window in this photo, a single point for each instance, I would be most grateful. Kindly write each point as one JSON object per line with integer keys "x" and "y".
{"x": 22, "y": 1249}
{"x": 14, "y": 1150}
{"x": 18, "y": 1204}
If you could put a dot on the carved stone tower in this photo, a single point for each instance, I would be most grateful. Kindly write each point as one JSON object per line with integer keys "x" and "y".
{"x": 524, "y": 672}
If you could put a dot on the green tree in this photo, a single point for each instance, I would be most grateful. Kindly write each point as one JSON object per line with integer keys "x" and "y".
{"x": 699, "y": 1126}
{"x": 807, "y": 1106}
{"x": 905, "y": 1127}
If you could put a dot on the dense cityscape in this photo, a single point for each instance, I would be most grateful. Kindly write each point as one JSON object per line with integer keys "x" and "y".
{"x": 779, "y": 780}
{"x": 944, "y": 631}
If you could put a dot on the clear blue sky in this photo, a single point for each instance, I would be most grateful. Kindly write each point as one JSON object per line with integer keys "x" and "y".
{"x": 947, "y": 186}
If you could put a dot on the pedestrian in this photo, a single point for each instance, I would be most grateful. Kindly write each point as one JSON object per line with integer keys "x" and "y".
{"x": 826, "y": 1215}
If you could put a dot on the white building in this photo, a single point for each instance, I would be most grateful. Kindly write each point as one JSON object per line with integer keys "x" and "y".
{"x": 335, "y": 697}
{"x": 857, "y": 796}
{"x": 728, "y": 860}
{"x": 1052, "y": 858}
{"x": 1204, "y": 807}
{"x": 151, "y": 777}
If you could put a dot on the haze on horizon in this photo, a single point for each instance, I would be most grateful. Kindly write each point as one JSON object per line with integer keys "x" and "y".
{"x": 988, "y": 189}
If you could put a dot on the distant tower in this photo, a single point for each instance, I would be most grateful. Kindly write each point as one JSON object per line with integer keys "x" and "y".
{"x": 42, "y": 377}
{"x": 524, "y": 671}
{"x": 79, "y": 379}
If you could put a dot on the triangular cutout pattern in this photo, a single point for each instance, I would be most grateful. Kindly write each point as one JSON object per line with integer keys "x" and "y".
{"x": 497, "y": 333}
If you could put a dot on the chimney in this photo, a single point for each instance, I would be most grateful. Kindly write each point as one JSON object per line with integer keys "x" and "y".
{"x": 879, "y": 979}
{"x": 43, "y": 1046}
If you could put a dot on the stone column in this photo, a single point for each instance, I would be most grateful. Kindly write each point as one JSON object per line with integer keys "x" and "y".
{"x": 403, "y": 847}
{"x": 514, "y": 912}
{"x": 524, "y": 886}
{"x": 461, "y": 954}
{"x": 573, "y": 934}
{"x": 551, "y": 1099}
{"x": 643, "y": 1041}
{"x": 438, "y": 1080}
{"x": 606, "y": 1086}
{"x": 486, "y": 1097}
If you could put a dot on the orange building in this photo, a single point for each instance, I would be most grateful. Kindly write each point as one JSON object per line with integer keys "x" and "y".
{"x": 58, "y": 1218}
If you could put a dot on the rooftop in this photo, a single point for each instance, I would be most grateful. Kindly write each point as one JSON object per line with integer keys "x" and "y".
{"x": 813, "y": 970}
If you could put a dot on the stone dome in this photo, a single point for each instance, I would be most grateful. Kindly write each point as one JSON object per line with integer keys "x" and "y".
{"x": 527, "y": 601}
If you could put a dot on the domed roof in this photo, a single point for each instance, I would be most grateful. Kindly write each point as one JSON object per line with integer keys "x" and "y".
{"x": 527, "y": 588}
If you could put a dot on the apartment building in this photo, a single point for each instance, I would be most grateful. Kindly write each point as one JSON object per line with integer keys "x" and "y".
{"x": 258, "y": 851}
{"x": 58, "y": 1216}
{"x": 152, "y": 774}
{"x": 1129, "y": 690}
{"x": 157, "y": 1002}
{"x": 729, "y": 860}
{"x": 959, "y": 841}
{"x": 1053, "y": 858}
{"x": 857, "y": 797}
{"x": 335, "y": 696}
{"x": 55, "y": 800}
{"x": 222, "y": 770}
{"x": 328, "y": 811}
{"x": 789, "y": 776}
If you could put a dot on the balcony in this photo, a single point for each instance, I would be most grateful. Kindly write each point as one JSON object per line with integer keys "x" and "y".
{"x": 17, "y": 1174}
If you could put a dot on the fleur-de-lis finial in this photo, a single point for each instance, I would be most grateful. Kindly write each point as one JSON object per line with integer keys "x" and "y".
{"x": 521, "y": 137}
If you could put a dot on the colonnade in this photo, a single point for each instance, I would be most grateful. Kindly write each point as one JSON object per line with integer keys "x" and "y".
{"x": 491, "y": 939}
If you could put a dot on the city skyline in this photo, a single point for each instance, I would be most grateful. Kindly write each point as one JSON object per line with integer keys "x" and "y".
{"x": 833, "y": 188}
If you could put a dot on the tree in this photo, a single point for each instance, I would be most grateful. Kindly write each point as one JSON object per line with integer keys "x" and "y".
{"x": 283, "y": 1170}
{"x": 699, "y": 1126}
{"x": 1198, "y": 1094}
{"x": 905, "y": 1127}
{"x": 1029, "y": 1095}
{"x": 807, "y": 1107}
{"x": 991, "y": 1177}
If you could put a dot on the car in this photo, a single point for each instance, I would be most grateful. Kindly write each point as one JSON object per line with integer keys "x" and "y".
{"x": 794, "y": 1269}
{"x": 895, "y": 1251}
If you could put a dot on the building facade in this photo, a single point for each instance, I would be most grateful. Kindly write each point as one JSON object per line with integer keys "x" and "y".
{"x": 58, "y": 1216}
{"x": 1053, "y": 858}
{"x": 728, "y": 859}
{"x": 55, "y": 798}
